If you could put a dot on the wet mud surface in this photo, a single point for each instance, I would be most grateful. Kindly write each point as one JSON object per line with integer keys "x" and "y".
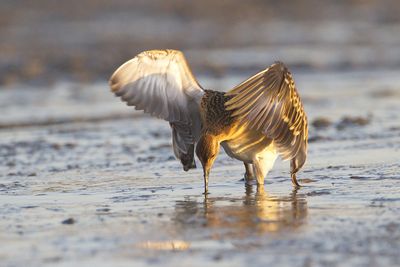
{"x": 86, "y": 181}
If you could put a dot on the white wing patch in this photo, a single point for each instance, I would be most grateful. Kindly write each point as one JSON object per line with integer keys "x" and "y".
{"x": 160, "y": 83}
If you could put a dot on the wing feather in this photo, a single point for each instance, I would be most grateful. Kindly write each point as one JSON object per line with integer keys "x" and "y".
{"x": 160, "y": 83}
{"x": 158, "y": 78}
{"x": 269, "y": 102}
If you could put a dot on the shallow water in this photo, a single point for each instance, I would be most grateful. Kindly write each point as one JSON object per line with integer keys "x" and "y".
{"x": 74, "y": 152}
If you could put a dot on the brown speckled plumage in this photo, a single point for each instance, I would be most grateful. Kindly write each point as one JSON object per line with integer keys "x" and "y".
{"x": 214, "y": 115}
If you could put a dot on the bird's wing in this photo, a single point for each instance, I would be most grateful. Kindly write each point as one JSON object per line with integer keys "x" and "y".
{"x": 160, "y": 83}
{"x": 269, "y": 102}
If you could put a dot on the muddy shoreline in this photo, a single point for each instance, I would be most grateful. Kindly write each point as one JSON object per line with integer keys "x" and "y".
{"x": 94, "y": 190}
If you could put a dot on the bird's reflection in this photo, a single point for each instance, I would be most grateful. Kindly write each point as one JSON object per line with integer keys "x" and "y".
{"x": 255, "y": 213}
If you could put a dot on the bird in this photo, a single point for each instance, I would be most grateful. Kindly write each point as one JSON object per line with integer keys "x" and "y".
{"x": 255, "y": 122}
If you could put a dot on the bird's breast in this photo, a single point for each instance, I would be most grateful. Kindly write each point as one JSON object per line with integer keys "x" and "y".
{"x": 244, "y": 143}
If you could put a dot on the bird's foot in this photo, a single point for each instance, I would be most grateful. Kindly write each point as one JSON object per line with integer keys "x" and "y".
{"x": 294, "y": 181}
{"x": 250, "y": 181}
{"x": 249, "y": 178}
{"x": 205, "y": 193}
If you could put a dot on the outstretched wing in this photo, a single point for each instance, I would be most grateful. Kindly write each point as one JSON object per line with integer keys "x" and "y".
{"x": 269, "y": 102}
{"x": 160, "y": 83}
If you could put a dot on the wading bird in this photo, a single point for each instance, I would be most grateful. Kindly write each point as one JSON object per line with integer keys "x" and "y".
{"x": 256, "y": 121}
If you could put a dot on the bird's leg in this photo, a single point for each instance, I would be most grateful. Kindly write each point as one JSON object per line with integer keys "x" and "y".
{"x": 294, "y": 180}
{"x": 260, "y": 172}
{"x": 293, "y": 171}
{"x": 263, "y": 163}
{"x": 249, "y": 174}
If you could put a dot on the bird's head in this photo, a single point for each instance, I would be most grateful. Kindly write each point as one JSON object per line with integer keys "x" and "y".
{"x": 207, "y": 150}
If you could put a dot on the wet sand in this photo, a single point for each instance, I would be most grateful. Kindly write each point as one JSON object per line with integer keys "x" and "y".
{"x": 86, "y": 181}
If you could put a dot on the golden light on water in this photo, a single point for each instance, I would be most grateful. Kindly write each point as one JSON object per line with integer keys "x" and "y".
{"x": 165, "y": 245}
{"x": 260, "y": 212}
{"x": 256, "y": 213}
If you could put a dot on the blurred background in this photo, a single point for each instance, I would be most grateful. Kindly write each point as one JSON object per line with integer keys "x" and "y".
{"x": 46, "y": 41}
